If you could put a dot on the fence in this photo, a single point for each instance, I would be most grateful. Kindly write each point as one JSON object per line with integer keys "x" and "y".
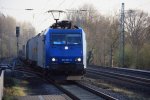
{"x": 1, "y": 83}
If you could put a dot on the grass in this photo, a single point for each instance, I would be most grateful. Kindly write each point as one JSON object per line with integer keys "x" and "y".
{"x": 12, "y": 88}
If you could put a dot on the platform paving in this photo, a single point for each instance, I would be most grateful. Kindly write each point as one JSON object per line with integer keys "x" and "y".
{"x": 35, "y": 88}
{"x": 43, "y": 97}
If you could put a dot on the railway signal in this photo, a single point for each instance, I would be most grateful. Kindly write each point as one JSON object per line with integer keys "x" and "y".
{"x": 17, "y": 35}
{"x": 17, "y": 31}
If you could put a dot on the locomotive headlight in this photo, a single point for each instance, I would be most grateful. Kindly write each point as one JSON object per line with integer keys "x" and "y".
{"x": 66, "y": 47}
{"x": 53, "y": 59}
{"x": 79, "y": 59}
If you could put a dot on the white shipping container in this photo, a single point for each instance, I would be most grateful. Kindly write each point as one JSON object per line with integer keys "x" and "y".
{"x": 41, "y": 51}
{"x": 34, "y": 48}
{"x": 33, "y": 44}
{"x": 30, "y": 49}
{"x": 23, "y": 51}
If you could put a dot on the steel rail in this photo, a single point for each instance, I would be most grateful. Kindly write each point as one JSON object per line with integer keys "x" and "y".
{"x": 118, "y": 69}
{"x": 101, "y": 94}
{"x": 136, "y": 80}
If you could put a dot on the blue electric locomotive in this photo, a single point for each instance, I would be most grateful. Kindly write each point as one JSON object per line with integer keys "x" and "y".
{"x": 59, "y": 50}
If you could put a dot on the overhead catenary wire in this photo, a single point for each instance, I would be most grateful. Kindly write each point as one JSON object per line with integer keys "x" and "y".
{"x": 72, "y": 3}
{"x": 61, "y": 4}
{"x": 46, "y": 3}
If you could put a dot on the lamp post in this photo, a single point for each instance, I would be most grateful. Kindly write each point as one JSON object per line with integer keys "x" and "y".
{"x": 30, "y": 9}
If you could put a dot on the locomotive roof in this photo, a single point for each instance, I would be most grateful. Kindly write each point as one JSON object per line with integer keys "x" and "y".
{"x": 65, "y": 24}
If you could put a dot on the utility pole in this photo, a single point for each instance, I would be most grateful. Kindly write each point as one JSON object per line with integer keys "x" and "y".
{"x": 122, "y": 42}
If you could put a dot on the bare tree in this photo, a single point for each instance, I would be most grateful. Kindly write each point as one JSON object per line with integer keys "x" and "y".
{"x": 100, "y": 33}
{"x": 136, "y": 23}
{"x": 8, "y": 35}
{"x": 113, "y": 39}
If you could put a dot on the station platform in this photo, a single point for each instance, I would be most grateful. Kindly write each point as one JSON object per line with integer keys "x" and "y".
{"x": 43, "y": 97}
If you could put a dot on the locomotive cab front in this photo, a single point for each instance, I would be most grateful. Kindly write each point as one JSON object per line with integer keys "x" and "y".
{"x": 65, "y": 51}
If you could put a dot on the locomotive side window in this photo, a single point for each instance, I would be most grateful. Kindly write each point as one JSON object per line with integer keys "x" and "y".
{"x": 63, "y": 39}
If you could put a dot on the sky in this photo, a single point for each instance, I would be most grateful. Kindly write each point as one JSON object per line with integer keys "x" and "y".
{"x": 41, "y": 20}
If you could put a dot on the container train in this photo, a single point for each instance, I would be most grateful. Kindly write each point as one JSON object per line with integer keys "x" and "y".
{"x": 60, "y": 50}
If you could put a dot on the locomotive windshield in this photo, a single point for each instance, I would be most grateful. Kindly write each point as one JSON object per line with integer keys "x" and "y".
{"x": 70, "y": 39}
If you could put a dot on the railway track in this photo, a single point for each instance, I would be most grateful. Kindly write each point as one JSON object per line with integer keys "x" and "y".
{"x": 74, "y": 90}
{"x": 82, "y": 92}
{"x": 127, "y": 71}
{"x": 133, "y": 82}
{"x": 133, "y": 79}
